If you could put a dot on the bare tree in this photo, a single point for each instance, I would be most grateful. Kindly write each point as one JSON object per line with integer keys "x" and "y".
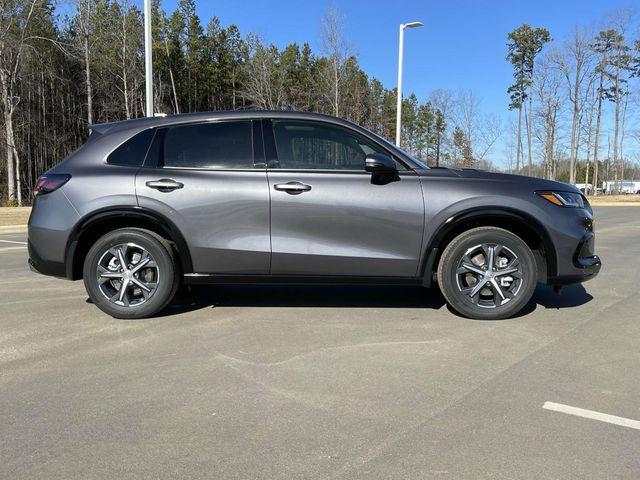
{"x": 264, "y": 86}
{"x": 549, "y": 100}
{"x": 620, "y": 62}
{"x": 481, "y": 131}
{"x": 622, "y": 135}
{"x": 127, "y": 61}
{"x": 511, "y": 145}
{"x": 338, "y": 51}
{"x": 84, "y": 16}
{"x": 443, "y": 100}
{"x": 602, "y": 46}
{"x": 15, "y": 23}
{"x": 163, "y": 27}
{"x": 575, "y": 61}
{"x": 591, "y": 102}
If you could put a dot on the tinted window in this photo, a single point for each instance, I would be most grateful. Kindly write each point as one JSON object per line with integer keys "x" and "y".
{"x": 133, "y": 151}
{"x": 311, "y": 145}
{"x": 209, "y": 145}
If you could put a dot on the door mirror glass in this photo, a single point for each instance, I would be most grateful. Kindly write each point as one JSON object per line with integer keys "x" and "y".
{"x": 380, "y": 163}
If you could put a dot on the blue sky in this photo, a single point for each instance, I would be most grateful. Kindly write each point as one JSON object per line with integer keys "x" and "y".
{"x": 461, "y": 46}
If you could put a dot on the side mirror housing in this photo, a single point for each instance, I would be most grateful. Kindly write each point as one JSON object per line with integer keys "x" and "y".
{"x": 380, "y": 163}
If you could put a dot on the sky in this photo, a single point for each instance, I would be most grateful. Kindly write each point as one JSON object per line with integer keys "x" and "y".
{"x": 461, "y": 46}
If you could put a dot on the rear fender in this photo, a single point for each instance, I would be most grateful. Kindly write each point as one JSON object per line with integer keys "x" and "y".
{"x": 121, "y": 217}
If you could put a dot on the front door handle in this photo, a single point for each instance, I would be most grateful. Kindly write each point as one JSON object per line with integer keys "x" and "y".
{"x": 292, "y": 187}
{"x": 164, "y": 184}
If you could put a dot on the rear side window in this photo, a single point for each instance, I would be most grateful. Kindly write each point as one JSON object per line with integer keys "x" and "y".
{"x": 217, "y": 145}
{"x": 133, "y": 151}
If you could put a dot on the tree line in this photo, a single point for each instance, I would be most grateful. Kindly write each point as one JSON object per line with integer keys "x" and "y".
{"x": 63, "y": 70}
{"x": 579, "y": 99}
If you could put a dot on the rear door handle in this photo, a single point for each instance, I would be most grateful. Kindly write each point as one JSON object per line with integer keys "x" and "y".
{"x": 164, "y": 184}
{"x": 292, "y": 187}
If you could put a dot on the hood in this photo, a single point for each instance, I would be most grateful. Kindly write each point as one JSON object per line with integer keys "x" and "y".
{"x": 472, "y": 173}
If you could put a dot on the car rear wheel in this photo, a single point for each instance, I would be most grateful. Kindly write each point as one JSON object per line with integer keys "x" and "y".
{"x": 131, "y": 273}
{"x": 487, "y": 273}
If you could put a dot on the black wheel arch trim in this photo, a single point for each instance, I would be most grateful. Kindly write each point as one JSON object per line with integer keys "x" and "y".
{"x": 505, "y": 213}
{"x": 123, "y": 212}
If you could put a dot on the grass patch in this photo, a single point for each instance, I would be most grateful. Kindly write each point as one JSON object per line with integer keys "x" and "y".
{"x": 14, "y": 215}
{"x": 614, "y": 199}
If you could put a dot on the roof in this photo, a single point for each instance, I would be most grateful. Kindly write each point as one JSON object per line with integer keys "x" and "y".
{"x": 145, "y": 122}
{"x": 123, "y": 127}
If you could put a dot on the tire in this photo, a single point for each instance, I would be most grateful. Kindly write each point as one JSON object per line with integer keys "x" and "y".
{"x": 103, "y": 274}
{"x": 471, "y": 291}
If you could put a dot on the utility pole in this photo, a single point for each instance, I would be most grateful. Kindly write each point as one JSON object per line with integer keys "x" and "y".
{"x": 400, "y": 55}
{"x": 148, "y": 59}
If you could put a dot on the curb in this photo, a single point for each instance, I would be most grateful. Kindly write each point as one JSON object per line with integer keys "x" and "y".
{"x": 13, "y": 229}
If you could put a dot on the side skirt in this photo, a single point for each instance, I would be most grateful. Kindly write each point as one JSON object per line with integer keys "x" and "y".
{"x": 195, "y": 278}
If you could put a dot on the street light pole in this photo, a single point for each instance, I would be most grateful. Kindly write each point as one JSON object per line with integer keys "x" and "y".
{"x": 399, "y": 94}
{"x": 148, "y": 59}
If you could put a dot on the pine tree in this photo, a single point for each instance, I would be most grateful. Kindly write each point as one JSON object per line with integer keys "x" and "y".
{"x": 524, "y": 45}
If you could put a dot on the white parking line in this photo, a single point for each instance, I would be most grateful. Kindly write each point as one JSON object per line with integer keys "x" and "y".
{"x": 602, "y": 417}
{"x": 12, "y": 249}
{"x": 11, "y": 241}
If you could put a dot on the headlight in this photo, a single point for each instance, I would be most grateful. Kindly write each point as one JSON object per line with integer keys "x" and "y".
{"x": 564, "y": 199}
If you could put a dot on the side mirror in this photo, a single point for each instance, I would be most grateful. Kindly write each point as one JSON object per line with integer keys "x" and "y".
{"x": 380, "y": 163}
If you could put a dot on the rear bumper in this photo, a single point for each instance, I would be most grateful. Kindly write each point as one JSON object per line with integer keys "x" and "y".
{"x": 51, "y": 221}
{"x": 45, "y": 267}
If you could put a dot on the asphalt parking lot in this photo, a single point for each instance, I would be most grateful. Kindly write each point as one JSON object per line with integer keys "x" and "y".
{"x": 322, "y": 382}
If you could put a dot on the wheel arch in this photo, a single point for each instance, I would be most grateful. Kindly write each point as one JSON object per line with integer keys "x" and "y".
{"x": 520, "y": 223}
{"x": 96, "y": 224}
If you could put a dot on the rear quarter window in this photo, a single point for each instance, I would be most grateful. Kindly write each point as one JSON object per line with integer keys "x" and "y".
{"x": 216, "y": 145}
{"x": 132, "y": 152}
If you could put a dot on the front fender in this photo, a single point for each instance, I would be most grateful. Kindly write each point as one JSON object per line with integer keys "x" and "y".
{"x": 440, "y": 224}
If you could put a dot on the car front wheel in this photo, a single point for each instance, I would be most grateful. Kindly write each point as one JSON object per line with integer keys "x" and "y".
{"x": 131, "y": 273}
{"x": 487, "y": 273}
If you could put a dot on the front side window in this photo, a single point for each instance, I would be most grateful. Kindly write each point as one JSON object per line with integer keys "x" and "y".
{"x": 132, "y": 152}
{"x": 319, "y": 146}
{"x": 217, "y": 145}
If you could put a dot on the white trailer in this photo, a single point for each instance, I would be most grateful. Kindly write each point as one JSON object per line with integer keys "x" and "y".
{"x": 621, "y": 186}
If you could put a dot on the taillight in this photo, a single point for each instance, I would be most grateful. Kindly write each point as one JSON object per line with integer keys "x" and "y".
{"x": 49, "y": 183}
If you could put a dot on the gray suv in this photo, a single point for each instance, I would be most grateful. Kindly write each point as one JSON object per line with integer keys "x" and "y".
{"x": 286, "y": 197}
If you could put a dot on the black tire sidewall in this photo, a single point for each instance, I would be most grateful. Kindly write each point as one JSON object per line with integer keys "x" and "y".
{"x": 166, "y": 266}
{"x": 449, "y": 264}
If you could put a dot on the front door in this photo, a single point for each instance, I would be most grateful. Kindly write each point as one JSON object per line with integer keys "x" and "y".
{"x": 328, "y": 215}
{"x": 203, "y": 179}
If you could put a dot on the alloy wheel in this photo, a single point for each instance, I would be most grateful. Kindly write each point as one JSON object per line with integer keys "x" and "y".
{"x": 489, "y": 275}
{"x": 127, "y": 275}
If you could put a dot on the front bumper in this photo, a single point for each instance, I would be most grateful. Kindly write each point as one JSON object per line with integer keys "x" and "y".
{"x": 591, "y": 268}
{"x": 586, "y": 264}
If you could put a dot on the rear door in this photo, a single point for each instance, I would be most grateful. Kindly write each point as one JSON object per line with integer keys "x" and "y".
{"x": 328, "y": 215}
{"x": 206, "y": 179}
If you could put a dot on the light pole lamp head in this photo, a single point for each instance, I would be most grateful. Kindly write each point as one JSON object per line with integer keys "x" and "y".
{"x": 412, "y": 25}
